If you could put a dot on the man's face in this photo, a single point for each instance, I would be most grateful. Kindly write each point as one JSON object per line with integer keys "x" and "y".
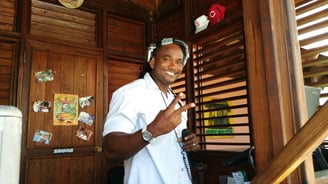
{"x": 167, "y": 65}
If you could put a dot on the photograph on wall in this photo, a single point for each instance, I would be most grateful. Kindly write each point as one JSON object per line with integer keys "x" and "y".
{"x": 42, "y": 137}
{"x": 217, "y": 119}
{"x": 86, "y": 101}
{"x": 66, "y": 109}
{"x": 86, "y": 118}
{"x": 84, "y": 133}
{"x": 41, "y": 106}
{"x": 44, "y": 76}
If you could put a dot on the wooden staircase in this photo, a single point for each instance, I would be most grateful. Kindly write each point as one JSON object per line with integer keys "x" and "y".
{"x": 300, "y": 147}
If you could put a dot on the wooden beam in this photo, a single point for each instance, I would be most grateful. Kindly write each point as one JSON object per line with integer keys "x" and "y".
{"x": 297, "y": 149}
{"x": 275, "y": 80}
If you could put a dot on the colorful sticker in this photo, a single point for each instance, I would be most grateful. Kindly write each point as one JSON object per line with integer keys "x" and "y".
{"x": 42, "y": 136}
{"x": 86, "y": 101}
{"x": 66, "y": 109}
{"x": 86, "y": 118}
{"x": 41, "y": 106}
{"x": 84, "y": 134}
{"x": 44, "y": 76}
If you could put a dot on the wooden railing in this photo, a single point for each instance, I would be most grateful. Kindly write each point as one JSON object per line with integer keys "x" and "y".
{"x": 301, "y": 146}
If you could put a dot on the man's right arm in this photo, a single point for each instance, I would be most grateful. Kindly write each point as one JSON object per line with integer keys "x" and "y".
{"x": 119, "y": 146}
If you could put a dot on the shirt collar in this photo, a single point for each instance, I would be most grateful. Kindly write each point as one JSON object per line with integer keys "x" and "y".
{"x": 151, "y": 84}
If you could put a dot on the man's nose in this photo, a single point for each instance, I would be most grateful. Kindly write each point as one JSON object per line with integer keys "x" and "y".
{"x": 174, "y": 64}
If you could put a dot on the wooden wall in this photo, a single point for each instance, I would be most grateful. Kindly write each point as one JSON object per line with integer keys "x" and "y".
{"x": 102, "y": 41}
{"x": 181, "y": 25}
{"x": 8, "y": 52}
{"x": 101, "y": 50}
{"x": 91, "y": 52}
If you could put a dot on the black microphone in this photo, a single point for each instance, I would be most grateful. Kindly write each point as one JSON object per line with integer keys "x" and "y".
{"x": 187, "y": 155}
{"x": 186, "y": 132}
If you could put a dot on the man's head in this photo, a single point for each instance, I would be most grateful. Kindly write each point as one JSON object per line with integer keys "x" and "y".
{"x": 153, "y": 48}
{"x": 167, "y": 61}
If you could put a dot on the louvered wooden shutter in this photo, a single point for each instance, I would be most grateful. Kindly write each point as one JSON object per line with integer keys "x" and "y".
{"x": 8, "y": 70}
{"x": 312, "y": 23}
{"x": 121, "y": 72}
{"x": 313, "y": 29}
{"x": 60, "y": 24}
{"x": 7, "y": 15}
{"x": 125, "y": 37}
{"x": 221, "y": 90}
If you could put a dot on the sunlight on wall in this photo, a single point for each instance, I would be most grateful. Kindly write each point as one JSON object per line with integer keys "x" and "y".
{"x": 316, "y": 32}
{"x": 324, "y": 99}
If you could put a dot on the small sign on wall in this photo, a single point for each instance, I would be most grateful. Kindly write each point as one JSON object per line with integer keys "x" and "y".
{"x": 66, "y": 108}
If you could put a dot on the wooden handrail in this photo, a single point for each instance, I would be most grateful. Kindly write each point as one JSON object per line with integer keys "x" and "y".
{"x": 300, "y": 147}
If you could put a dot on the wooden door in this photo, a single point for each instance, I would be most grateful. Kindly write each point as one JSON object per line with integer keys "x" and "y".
{"x": 62, "y": 144}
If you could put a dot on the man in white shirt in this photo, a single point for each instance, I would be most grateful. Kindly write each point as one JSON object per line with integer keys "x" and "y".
{"x": 144, "y": 124}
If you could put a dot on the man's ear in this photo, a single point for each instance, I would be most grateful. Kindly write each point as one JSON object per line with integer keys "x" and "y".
{"x": 152, "y": 63}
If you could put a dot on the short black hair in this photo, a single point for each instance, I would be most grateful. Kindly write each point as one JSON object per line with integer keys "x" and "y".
{"x": 153, "y": 48}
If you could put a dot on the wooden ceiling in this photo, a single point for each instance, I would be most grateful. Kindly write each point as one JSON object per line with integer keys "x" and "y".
{"x": 159, "y": 8}
{"x": 151, "y": 5}
{"x": 135, "y": 9}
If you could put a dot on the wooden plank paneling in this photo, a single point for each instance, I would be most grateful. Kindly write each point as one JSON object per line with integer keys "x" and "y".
{"x": 72, "y": 75}
{"x": 176, "y": 28}
{"x": 64, "y": 170}
{"x": 7, "y": 71}
{"x": 7, "y": 15}
{"x": 76, "y": 71}
{"x": 126, "y": 37}
{"x": 58, "y": 23}
{"x": 120, "y": 73}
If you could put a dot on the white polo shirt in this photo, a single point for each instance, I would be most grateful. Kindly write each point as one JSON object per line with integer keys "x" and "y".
{"x": 133, "y": 106}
